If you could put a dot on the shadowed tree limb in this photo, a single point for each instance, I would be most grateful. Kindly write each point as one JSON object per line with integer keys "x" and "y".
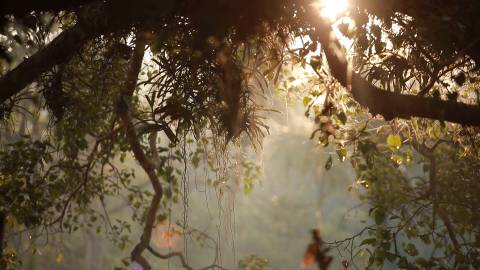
{"x": 107, "y": 17}
{"x": 140, "y": 156}
{"x": 183, "y": 260}
{"x": 389, "y": 104}
{"x": 58, "y": 51}
{"x": 429, "y": 154}
{"x": 94, "y": 19}
{"x": 170, "y": 255}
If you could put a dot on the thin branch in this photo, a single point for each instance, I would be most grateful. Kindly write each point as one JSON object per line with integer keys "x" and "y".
{"x": 170, "y": 255}
{"x": 429, "y": 153}
{"x": 182, "y": 259}
{"x": 448, "y": 224}
{"x": 90, "y": 160}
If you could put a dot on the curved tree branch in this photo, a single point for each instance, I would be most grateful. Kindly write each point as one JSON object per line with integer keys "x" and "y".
{"x": 170, "y": 255}
{"x": 92, "y": 22}
{"x": 182, "y": 259}
{"x": 58, "y": 51}
{"x": 140, "y": 156}
{"x": 429, "y": 154}
{"x": 94, "y": 19}
{"x": 390, "y": 104}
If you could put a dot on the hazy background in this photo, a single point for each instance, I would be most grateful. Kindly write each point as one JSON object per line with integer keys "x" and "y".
{"x": 293, "y": 195}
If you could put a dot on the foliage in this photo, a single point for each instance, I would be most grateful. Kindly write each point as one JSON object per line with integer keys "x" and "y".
{"x": 253, "y": 262}
{"x": 209, "y": 64}
{"x": 423, "y": 207}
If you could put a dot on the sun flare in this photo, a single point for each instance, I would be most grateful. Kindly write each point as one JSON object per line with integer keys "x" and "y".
{"x": 332, "y": 9}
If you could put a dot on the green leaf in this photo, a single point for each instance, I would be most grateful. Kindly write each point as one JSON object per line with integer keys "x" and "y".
{"x": 426, "y": 239}
{"x": 195, "y": 161}
{"x": 342, "y": 117}
{"x": 390, "y": 256}
{"x": 368, "y": 241}
{"x": 329, "y": 163}
{"x": 397, "y": 159}
{"x": 59, "y": 257}
{"x": 307, "y": 100}
{"x": 379, "y": 216}
{"x": 342, "y": 154}
{"x": 427, "y": 264}
{"x": 394, "y": 141}
{"x": 403, "y": 263}
{"x": 411, "y": 250}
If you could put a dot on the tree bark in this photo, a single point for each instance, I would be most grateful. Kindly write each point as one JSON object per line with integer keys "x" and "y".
{"x": 95, "y": 19}
{"x": 105, "y": 17}
{"x": 390, "y": 104}
{"x": 140, "y": 156}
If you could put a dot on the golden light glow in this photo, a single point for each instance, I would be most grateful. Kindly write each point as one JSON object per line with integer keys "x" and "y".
{"x": 332, "y": 9}
{"x": 166, "y": 235}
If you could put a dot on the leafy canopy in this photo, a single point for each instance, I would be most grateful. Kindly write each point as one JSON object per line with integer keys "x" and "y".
{"x": 77, "y": 74}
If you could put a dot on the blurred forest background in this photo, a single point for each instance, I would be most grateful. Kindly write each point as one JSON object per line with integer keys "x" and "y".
{"x": 291, "y": 193}
{"x": 212, "y": 134}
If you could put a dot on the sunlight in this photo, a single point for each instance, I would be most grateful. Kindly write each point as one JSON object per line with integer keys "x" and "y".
{"x": 332, "y": 9}
{"x": 166, "y": 235}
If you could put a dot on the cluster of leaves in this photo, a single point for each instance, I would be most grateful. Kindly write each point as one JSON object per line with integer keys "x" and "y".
{"x": 55, "y": 174}
{"x": 185, "y": 91}
{"x": 253, "y": 262}
{"x": 205, "y": 63}
{"x": 397, "y": 46}
{"x": 415, "y": 191}
{"x": 424, "y": 209}
{"x": 252, "y": 173}
{"x": 9, "y": 260}
{"x": 414, "y": 224}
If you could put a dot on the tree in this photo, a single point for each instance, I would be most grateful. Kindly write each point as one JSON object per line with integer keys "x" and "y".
{"x": 207, "y": 58}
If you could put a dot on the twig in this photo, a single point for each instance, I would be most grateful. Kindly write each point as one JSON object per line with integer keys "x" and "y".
{"x": 182, "y": 259}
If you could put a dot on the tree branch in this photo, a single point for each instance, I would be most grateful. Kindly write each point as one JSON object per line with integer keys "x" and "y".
{"x": 58, "y": 51}
{"x": 94, "y": 20}
{"x": 389, "y": 104}
{"x": 429, "y": 154}
{"x": 140, "y": 156}
{"x": 170, "y": 255}
{"x": 182, "y": 259}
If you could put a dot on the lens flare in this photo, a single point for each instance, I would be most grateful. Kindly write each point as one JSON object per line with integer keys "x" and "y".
{"x": 166, "y": 235}
{"x": 332, "y": 9}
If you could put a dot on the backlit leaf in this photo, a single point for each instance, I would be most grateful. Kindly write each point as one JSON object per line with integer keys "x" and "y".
{"x": 59, "y": 257}
{"x": 394, "y": 141}
{"x": 342, "y": 154}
